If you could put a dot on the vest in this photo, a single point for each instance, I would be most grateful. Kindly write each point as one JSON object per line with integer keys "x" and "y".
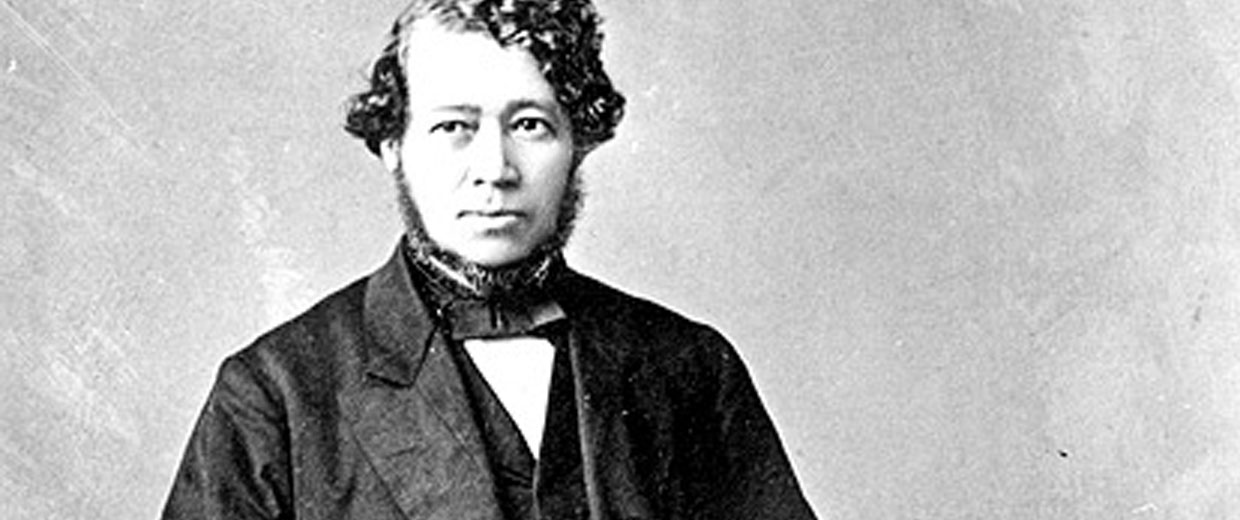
{"x": 526, "y": 489}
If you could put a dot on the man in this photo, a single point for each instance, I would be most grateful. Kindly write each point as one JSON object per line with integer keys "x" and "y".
{"x": 475, "y": 375}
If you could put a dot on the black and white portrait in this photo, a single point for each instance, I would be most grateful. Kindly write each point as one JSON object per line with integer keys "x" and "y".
{"x": 661, "y": 259}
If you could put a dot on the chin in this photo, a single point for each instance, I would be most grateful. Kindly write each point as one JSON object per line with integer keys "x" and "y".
{"x": 494, "y": 255}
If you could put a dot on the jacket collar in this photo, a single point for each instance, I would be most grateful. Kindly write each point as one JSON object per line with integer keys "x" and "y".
{"x": 410, "y": 413}
{"x": 400, "y": 325}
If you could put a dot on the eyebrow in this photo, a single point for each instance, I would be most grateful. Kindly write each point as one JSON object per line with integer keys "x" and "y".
{"x": 514, "y": 106}
{"x": 463, "y": 107}
{"x": 543, "y": 104}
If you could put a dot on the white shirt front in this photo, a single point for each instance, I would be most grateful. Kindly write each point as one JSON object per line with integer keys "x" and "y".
{"x": 518, "y": 370}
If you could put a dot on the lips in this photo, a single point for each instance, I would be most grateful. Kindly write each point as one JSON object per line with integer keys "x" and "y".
{"x": 489, "y": 221}
{"x": 490, "y": 213}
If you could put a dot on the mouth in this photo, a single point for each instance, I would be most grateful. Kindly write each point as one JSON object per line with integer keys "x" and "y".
{"x": 489, "y": 213}
{"x": 499, "y": 218}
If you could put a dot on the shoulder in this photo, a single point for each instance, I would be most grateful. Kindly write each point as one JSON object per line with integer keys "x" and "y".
{"x": 643, "y": 326}
{"x": 321, "y": 344}
{"x": 591, "y": 299}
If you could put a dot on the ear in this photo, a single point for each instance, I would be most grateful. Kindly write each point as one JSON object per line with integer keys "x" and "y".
{"x": 389, "y": 151}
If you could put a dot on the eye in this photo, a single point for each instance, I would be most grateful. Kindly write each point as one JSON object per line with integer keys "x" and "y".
{"x": 533, "y": 128}
{"x": 452, "y": 127}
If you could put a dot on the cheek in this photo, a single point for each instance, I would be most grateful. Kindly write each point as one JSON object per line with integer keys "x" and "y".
{"x": 431, "y": 204}
{"x": 429, "y": 175}
{"x": 431, "y": 198}
{"x": 551, "y": 189}
{"x": 551, "y": 169}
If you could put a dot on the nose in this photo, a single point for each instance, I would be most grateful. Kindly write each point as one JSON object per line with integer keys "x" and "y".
{"x": 489, "y": 159}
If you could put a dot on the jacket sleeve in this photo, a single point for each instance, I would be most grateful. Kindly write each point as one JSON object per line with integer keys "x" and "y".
{"x": 237, "y": 463}
{"x": 757, "y": 480}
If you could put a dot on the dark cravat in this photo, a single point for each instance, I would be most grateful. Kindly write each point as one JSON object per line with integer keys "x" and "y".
{"x": 472, "y": 318}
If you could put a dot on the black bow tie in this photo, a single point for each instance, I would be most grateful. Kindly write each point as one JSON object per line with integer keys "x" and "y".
{"x": 480, "y": 319}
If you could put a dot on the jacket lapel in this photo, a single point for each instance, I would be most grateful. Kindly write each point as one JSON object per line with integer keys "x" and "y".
{"x": 598, "y": 355}
{"x": 410, "y": 412}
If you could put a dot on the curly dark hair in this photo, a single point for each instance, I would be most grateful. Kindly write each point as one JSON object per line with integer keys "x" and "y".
{"x": 561, "y": 35}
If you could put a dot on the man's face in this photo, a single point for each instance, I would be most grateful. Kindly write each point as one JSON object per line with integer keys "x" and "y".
{"x": 488, "y": 152}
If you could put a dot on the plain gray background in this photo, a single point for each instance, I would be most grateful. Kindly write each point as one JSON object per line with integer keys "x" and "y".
{"x": 981, "y": 256}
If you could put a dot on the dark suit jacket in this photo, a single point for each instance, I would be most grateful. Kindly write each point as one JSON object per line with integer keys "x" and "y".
{"x": 355, "y": 409}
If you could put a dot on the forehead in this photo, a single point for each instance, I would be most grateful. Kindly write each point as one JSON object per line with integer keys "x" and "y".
{"x": 450, "y": 68}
